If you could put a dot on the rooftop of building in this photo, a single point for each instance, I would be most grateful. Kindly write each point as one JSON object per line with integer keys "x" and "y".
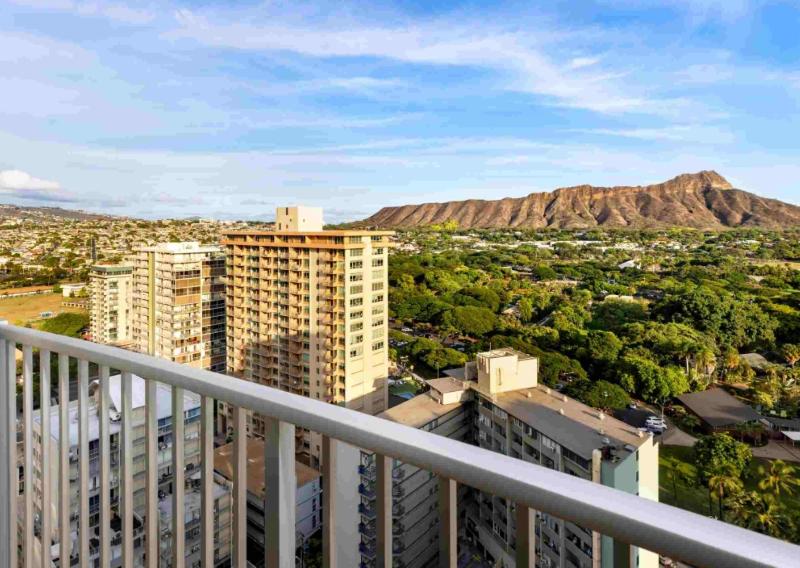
{"x": 184, "y": 247}
{"x": 569, "y": 422}
{"x": 191, "y": 401}
{"x": 717, "y": 408}
{"x": 112, "y": 268}
{"x": 223, "y": 464}
{"x": 324, "y": 233}
{"x": 446, "y": 384}
{"x": 506, "y": 352}
{"x": 418, "y": 411}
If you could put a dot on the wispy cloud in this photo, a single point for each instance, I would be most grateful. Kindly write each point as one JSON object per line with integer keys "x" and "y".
{"x": 118, "y": 12}
{"x": 526, "y": 63}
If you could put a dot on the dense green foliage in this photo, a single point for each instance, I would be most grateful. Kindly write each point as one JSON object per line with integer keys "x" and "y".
{"x": 676, "y": 321}
{"x": 68, "y": 324}
{"x": 718, "y": 452}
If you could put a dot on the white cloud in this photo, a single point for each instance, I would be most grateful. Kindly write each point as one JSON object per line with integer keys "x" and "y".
{"x": 18, "y": 180}
{"x": 579, "y": 62}
{"x": 22, "y": 185}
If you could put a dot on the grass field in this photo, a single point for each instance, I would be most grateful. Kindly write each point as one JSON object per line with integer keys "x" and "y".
{"x": 24, "y": 309}
{"x": 674, "y": 491}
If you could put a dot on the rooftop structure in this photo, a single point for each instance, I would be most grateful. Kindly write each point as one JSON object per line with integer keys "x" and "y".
{"x": 718, "y": 410}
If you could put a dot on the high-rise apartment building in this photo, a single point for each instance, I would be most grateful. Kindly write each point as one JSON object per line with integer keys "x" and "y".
{"x": 497, "y": 404}
{"x": 191, "y": 417}
{"x": 179, "y": 304}
{"x": 308, "y": 312}
{"x": 111, "y": 303}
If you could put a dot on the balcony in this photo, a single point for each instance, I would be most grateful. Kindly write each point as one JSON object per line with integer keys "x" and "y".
{"x": 675, "y": 533}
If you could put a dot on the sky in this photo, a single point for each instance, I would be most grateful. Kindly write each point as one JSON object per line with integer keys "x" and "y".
{"x": 229, "y": 109}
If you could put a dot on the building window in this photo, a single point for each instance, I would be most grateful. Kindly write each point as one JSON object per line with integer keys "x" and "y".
{"x": 377, "y": 346}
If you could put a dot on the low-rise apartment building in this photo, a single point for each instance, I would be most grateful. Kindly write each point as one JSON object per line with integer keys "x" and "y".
{"x": 308, "y": 497}
{"x": 496, "y": 403}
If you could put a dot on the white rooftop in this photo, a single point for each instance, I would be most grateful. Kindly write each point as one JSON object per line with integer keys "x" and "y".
{"x": 163, "y": 408}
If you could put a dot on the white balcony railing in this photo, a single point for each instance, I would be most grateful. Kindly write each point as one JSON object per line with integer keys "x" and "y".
{"x": 629, "y": 519}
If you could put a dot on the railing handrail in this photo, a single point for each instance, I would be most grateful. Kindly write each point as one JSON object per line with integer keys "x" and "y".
{"x": 654, "y": 526}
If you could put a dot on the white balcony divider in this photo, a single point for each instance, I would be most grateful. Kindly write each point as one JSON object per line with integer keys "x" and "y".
{"x": 44, "y": 451}
{"x": 178, "y": 480}
{"x": 151, "y": 483}
{"x": 678, "y": 534}
{"x": 65, "y": 545}
{"x": 105, "y": 466}
{"x": 84, "y": 534}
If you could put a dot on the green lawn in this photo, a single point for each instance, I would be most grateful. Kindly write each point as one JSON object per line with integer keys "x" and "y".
{"x": 695, "y": 498}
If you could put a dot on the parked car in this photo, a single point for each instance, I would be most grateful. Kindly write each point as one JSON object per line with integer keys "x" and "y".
{"x": 633, "y": 406}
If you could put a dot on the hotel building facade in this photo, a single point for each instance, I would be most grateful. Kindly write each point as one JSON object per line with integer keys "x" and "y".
{"x": 111, "y": 303}
{"x": 308, "y": 313}
{"x": 179, "y": 304}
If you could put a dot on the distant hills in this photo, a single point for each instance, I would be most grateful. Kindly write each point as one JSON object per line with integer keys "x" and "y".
{"x": 19, "y": 212}
{"x": 704, "y": 200}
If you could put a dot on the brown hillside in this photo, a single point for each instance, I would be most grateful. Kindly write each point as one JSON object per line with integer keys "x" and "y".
{"x": 704, "y": 200}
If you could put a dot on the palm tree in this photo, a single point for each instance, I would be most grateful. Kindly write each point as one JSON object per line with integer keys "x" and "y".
{"x": 725, "y": 481}
{"x": 779, "y": 477}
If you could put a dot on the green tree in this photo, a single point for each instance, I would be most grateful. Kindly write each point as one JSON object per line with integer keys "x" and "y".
{"x": 603, "y": 394}
{"x": 603, "y": 346}
{"x": 724, "y": 482}
{"x": 613, "y": 315}
{"x": 780, "y": 477}
{"x": 525, "y": 309}
{"x": 715, "y": 452}
{"x": 470, "y": 320}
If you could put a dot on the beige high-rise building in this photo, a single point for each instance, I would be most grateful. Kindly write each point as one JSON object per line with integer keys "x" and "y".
{"x": 110, "y": 298}
{"x": 308, "y": 312}
{"x": 179, "y": 303}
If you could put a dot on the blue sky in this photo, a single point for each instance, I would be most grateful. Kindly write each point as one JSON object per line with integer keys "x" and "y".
{"x": 229, "y": 109}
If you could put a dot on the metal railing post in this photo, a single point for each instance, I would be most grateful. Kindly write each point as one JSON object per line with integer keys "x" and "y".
{"x": 44, "y": 406}
{"x": 329, "y": 451}
{"x": 448, "y": 523}
{"x": 526, "y": 536}
{"x": 207, "y": 482}
{"x": 280, "y": 485}
{"x": 83, "y": 462}
{"x": 8, "y": 460}
{"x": 383, "y": 503}
{"x": 151, "y": 520}
{"x": 178, "y": 481}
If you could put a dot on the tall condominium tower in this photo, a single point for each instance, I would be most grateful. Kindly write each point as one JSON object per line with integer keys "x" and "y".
{"x": 179, "y": 303}
{"x": 308, "y": 311}
{"x": 110, "y": 296}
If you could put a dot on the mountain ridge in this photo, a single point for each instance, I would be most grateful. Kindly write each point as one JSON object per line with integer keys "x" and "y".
{"x": 702, "y": 200}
